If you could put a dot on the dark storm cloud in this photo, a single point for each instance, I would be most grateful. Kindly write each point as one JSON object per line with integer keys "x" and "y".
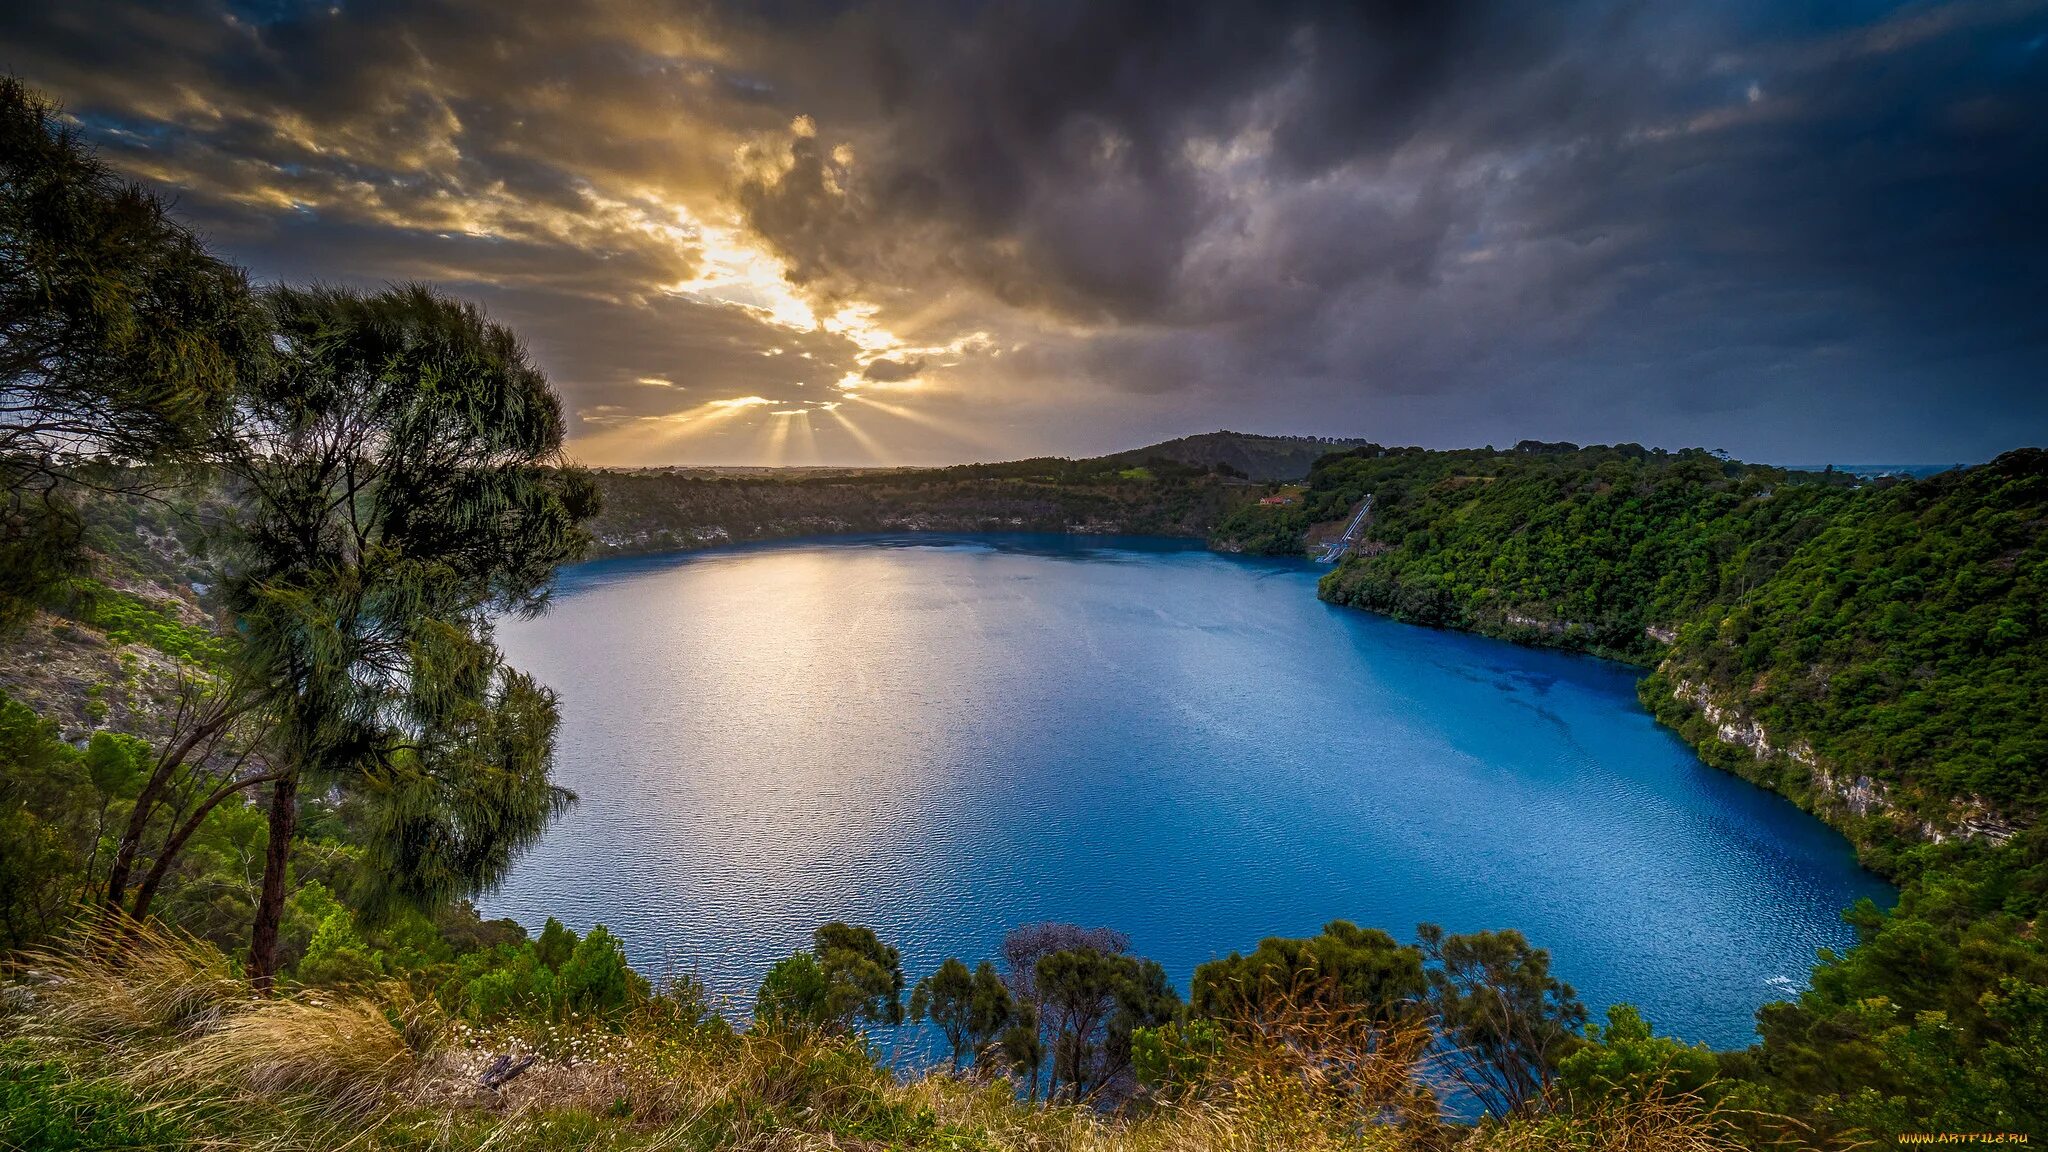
{"x": 892, "y": 371}
{"x": 1790, "y": 230}
{"x": 1052, "y": 152}
{"x": 1715, "y": 204}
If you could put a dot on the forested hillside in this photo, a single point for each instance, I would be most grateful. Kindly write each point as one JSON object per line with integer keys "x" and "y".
{"x": 1900, "y": 654}
{"x": 1876, "y": 650}
{"x": 1873, "y": 648}
{"x": 1262, "y": 458}
{"x": 670, "y": 509}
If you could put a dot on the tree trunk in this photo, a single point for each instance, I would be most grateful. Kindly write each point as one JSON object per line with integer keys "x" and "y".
{"x": 152, "y": 793}
{"x": 146, "y": 891}
{"x": 131, "y": 838}
{"x": 277, "y": 854}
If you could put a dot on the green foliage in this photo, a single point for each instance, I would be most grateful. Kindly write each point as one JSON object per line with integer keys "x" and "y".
{"x": 795, "y": 993}
{"x": 1627, "y": 1058}
{"x": 846, "y": 977}
{"x": 863, "y": 976}
{"x": 560, "y": 978}
{"x": 1173, "y": 1057}
{"x": 555, "y": 945}
{"x": 128, "y": 619}
{"x": 115, "y": 762}
{"x": 1586, "y": 549}
{"x": 337, "y": 956}
{"x": 45, "y": 1107}
{"x": 48, "y": 820}
{"x": 595, "y": 982}
{"x": 1021, "y": 1046}
{"x": 970, "y": 1009}
{"x": 55, "y": 803}
{"x": 506, "y": 982}
{"x": 1347, "y": 966}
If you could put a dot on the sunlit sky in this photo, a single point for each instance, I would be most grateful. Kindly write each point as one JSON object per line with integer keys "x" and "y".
{"x": 923, "y": 232}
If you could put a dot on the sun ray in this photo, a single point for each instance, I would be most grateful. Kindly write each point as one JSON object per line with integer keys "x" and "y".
{"x": 926, "y": 420}
{"x": 642, "y": 440}
{"x": 775, "y": 431}
{"x": 860, "y": 436}
{"x": 806, "y": 438}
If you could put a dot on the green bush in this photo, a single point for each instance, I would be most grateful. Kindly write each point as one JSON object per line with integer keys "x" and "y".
{"x": 128, "y": 619}
{"x": 43, "y": 1107}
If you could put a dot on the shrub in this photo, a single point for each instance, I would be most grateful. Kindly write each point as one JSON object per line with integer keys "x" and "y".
{"x": 42, "y": 1106}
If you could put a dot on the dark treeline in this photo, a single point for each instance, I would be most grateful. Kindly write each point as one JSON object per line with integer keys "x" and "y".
{"x": 660, "y": 510}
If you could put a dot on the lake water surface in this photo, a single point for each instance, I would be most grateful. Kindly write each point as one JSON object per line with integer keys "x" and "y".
{"x": 946, "y": 737}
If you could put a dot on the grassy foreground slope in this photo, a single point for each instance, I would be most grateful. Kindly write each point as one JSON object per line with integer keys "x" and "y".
{"x": 168, "y": 1049}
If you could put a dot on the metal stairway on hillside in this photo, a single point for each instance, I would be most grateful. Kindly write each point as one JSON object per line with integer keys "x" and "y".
{"x": 1335, "y": 550}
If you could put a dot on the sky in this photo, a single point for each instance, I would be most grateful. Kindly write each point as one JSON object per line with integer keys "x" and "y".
{"x": 897, "y": 232}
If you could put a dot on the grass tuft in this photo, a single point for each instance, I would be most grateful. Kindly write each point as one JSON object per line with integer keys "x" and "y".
{"x": 153, "y": 980}
{"x": 345, "y": 1057}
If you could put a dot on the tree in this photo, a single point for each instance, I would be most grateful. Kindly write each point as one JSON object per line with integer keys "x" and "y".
{"x": 555, "y": 945}
{"x": 216, "y": 728}
{"x": 793, "y": 994}
{"x": 1510, "y": 1022}
{"x": 1174, "y": 1057}
{"x": 595, "y": 981}
{"x": 46, "y": 826}
{"x": 1345, "y": 967}
{"x": 1628, "y": 1059}
{"x": 1147, "y": 1000}
{"x": 864, "y": 977}
{"x": 1022, "y": 1047}
{"x": 1025, "y": 944}
{"x": 121, "y": 338}
{"x": 1094, "y": 1001}
{"x": 401, "y": 464}
{"x": 848, "y": 975}
{"x": 969, "y": 1008}
{"x": 1023, "y": 947}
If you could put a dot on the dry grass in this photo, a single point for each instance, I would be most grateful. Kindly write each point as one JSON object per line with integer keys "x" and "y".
{"x": 1310, "y": 1080}
{"x": 1655, "y": 1124}
{"x": 156, "y": 980}
{"x": 343, "y": 1057}
{"x": 168, "y": 1019}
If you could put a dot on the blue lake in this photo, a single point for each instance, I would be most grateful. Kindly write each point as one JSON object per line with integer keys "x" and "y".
{"x": 946, "y": 737}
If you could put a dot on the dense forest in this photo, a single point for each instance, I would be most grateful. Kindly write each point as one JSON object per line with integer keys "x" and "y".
{"x": 657, "y": 510}
{"x": 258, "y": 751}
{"x": 1182, "y": 487}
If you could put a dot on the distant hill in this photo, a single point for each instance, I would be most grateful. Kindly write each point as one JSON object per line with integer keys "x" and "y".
{"x": 1265, "y": 458}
